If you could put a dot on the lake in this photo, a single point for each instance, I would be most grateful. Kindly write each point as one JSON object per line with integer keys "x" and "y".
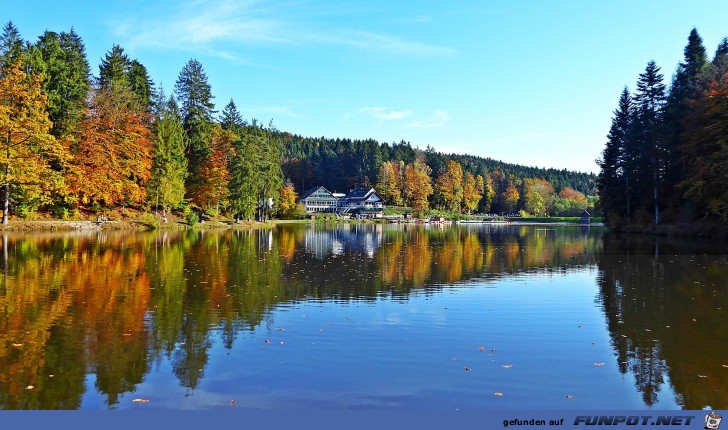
{"x": 362, "y": 316}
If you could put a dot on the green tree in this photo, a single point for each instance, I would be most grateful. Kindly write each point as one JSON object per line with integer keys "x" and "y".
{"x": 11, "y": 45}
{"x": 114, "y": 69}
{"x": 166, "y": 188}
{"x": 649, "y": 103}
{"x": 141, "y": 84}
{"x": 686, "y": 85}
{"x": 615, "y": 164}
{"x": 62, "y": 60}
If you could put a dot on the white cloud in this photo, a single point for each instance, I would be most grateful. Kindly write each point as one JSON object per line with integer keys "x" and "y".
{"x": 437, "y": 119}
{"x": 384, "y": 114}
{"x": 203, "y": 25}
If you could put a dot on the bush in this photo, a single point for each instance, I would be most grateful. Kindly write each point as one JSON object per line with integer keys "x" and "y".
{"x": 192, "y": 218}
{"x": 150, "y": 221}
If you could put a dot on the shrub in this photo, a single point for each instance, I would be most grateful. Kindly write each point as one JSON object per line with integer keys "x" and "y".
{"x": 192, "y": 218}
{"x": 150, "y": 221}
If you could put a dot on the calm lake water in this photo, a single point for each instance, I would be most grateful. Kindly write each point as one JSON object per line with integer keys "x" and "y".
{"x": 362, "y": 317}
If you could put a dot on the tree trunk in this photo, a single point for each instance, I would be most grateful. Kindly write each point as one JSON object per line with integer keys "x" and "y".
{"x": 655, "y": 193}
{"x": 6, "y": 194}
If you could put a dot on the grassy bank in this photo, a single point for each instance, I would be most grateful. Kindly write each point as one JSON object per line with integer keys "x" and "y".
{"x": 555, "y": 219}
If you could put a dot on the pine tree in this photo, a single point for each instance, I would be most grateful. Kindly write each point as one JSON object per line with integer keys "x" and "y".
{"x": 649, "y": 101}
{"x": 141, "y": 84}
{"x": 114, "y": 69}
{"x": 166, "y": 187}
{"x": 231, "y": 118}
{"x": 616, "y": 168}
{"x": 66, "y": 78}
{"x": 685, "y": 86}
{"x": 11, "y": 45}
{"x": 196, "y": 108}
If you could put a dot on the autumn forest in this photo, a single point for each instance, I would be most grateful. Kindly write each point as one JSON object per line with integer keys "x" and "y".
{"x": 76, "y": 145}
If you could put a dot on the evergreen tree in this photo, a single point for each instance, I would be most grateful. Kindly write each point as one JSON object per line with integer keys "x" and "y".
{"x": 141, "y": 84}
{"x": 114, "y": 68}
{"x": 614, "y": 177}
{"x": 166, "y": 188}
{"x": 649, "y": 101}
{"x": 231, "y": 118}
{"x": 11, "y": 45}
{"x": 195, "y": 97}
{"x": 67, "y": 81}
{"x": 685, "y": 86}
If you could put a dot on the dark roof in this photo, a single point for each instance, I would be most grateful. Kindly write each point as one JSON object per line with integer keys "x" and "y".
{"x": 359, "y": 194}
{"x": 585, "y": 213}
{"x": 313, "y": 190}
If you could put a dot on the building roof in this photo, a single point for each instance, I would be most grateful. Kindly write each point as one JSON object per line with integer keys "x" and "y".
{"x": 313, "y": 190}
{"x": 585, "y": 213}
{"x": 359, "y": 195}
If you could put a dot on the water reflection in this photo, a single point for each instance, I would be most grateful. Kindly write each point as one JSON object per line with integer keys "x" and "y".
{"x": 118, "y": 305}
{"x": 665, "y": 303}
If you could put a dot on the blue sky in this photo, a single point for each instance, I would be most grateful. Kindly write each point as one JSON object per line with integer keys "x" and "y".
{"x": 529, "y": 82}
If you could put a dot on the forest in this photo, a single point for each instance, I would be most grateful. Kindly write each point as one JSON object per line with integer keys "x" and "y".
{"x": 76, "y": 144}
{"x": 665, "y": 159}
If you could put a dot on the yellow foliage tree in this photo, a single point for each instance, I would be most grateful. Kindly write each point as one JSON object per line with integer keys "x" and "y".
{"x": 417, "y": 186}
{"x": 449, "y": 186}
{"x": 27, "y": 147}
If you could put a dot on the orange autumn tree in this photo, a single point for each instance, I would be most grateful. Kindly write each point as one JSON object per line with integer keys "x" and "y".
{"x": 27, "y": 148}
{"x": 112, "y": 159}
{"x": 211, "y": 192}
{"x": 449, "y": 186}
{"x": 473, "y": 189}
{"x": 417, "y": 187}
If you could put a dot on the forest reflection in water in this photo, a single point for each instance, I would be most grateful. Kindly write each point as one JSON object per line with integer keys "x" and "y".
{"x": 103, "y": 311}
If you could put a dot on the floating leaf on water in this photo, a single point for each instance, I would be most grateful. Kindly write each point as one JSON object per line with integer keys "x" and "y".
{"x": 232, "y": 402}
{"x": 507, "y": 366}
{"x": 725, "y": 365}
{"x": 498, "y": 393}
{"x": 140, "y": 401}
{"x": 481, "y": 348}
{"x": 266, "y": 341}
{"x": 694, "y": 320}
{"x": 601, "y": 363}
{"x": 51, "y": 376}
{"x": 702, "y": 376}
{"x": 17, "y": 345}
{"x": 29, "y": 387}
{"x": 647, "y": 329}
